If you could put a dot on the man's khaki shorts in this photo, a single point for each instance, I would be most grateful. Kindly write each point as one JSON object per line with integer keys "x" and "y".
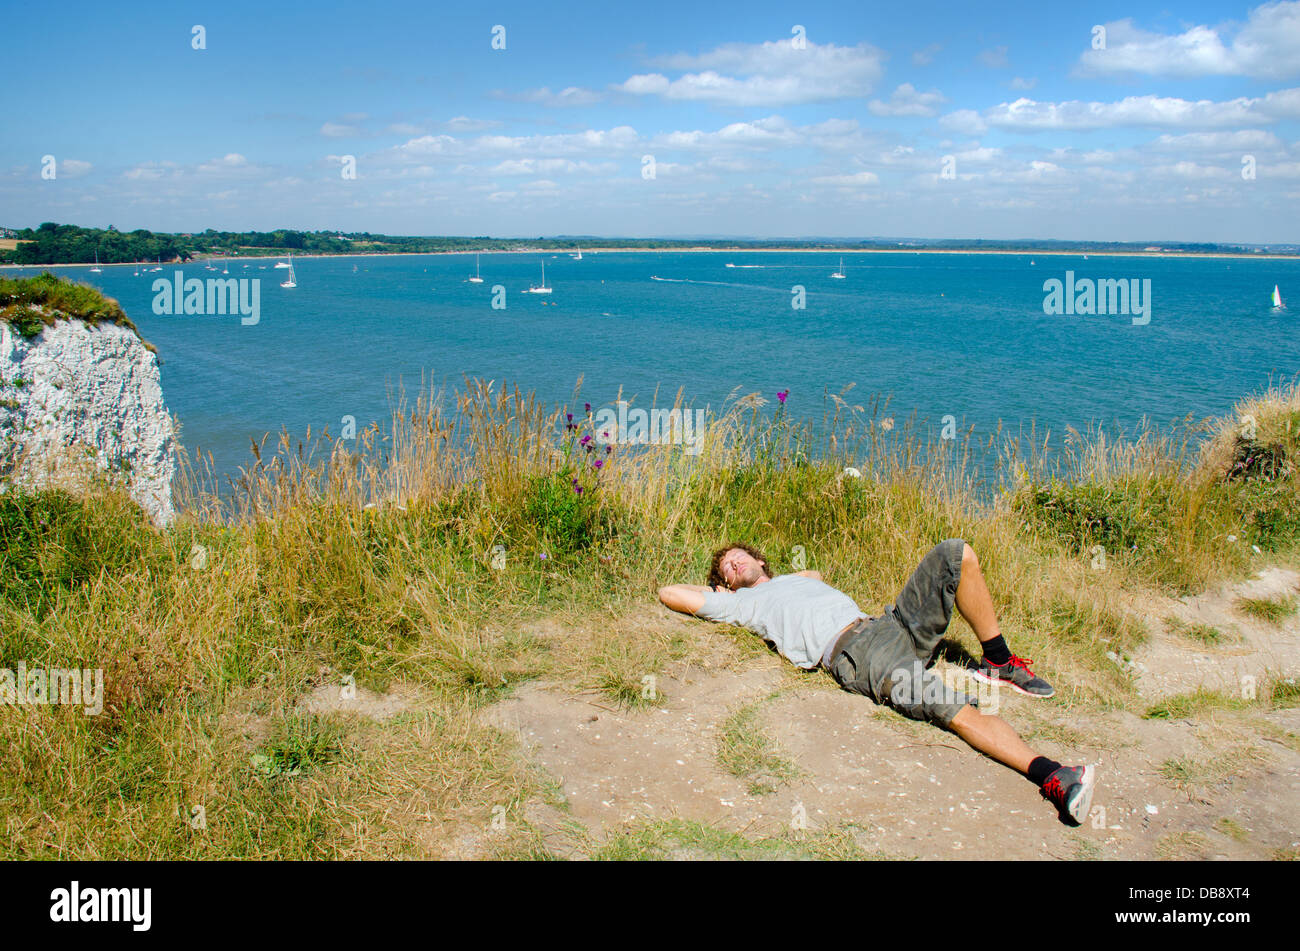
{"x": 885, "y": 657}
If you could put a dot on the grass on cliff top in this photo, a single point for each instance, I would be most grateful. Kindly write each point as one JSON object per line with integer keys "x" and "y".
{"x": 32, "y": 303}
{"x": 453, "y": 557}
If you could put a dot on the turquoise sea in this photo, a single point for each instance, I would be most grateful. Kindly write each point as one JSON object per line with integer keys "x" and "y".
{"x": 938, "y": 334}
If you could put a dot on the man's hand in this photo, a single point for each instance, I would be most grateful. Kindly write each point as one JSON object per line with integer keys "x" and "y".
{"x": 687, "y": 598}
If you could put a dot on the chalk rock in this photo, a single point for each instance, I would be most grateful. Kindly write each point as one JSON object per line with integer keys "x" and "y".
{"x": 76, "y": 395}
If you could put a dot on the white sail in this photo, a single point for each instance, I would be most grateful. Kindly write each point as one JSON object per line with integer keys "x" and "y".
{"x": 477, "y": 278}
{"x": 1277, "y": 297}
{"x": 840, "y": 273}
{"x": 543, "y": 289}
{"x": 293, "y": 280}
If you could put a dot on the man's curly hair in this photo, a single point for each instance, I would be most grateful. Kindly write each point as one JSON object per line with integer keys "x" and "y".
{"x": 715, "y": 570}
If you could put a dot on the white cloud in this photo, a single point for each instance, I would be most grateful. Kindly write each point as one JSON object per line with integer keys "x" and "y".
{"x": 569, "y": 96}
{"x": 1266, "y": 46}
{"x": 857, "y": 178}
{"x": 1024, "y": 85}
{"x": 1231, "y": 142}
{"x": 1190, "y": 170}
{"x": 1028, "y": 115}
{"x": 765, "y": 74}
{"x": 906, "y": 101}
{"x": 529, "y": 166}
{"x": 226, "y": 163}
{"x": 72, "y": 168}
{"x": 335, "y": 130}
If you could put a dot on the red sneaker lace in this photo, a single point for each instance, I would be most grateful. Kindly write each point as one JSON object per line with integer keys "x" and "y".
{"x": 1021, "y": 662}
{"x": 1052, "y": 788}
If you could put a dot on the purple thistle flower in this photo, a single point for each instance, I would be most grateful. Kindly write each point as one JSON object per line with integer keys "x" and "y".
{"x": 587, "y": 407}
{"x": 569, "y": 417}
{"x": 584, "y": 440}
{"x": 598, "y": 463}
{"x": 608, "y": 450}
{"x": 781, "y": 395}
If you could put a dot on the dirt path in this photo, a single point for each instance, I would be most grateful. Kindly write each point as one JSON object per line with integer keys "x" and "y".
{"x": 1217, "y": 784}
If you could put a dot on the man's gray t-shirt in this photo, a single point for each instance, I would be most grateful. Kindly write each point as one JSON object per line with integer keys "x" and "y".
{"x": 798, "y": 614}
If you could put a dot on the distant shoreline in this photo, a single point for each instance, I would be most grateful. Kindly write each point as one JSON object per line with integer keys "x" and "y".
{"x": 625, "y": 250}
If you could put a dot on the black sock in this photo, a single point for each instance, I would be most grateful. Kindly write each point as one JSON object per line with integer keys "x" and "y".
{"x": 996, "y": 651}
{"x": 1041, "y": 767}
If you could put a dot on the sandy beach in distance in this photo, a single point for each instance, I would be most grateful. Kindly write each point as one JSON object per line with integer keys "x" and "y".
{"x": 624, "y": 250}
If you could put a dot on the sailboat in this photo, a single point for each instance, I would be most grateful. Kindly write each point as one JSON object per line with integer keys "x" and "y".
{"x": 292, "y": 281}
{"x": 476, "y": 279}
{"x": 542, "y": 289}
{"x": 280, "y": 264}
{"x": 578, "y": 256}
{"x": 1277, "y": 299}
{"x": 96, "y": 269}
{"x": 840, "y": 273}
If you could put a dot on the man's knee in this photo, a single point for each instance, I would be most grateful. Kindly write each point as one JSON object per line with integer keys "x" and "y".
{"x": 964, "y": 718}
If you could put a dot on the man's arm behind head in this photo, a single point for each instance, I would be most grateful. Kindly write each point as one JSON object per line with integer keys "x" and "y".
{"x": 687, "y": 598}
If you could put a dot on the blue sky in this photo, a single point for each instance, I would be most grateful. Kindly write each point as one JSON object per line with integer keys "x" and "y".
{"x": 913, "y": 119}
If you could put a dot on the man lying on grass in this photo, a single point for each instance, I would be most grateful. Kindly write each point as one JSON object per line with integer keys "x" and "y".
{"x": 809, "y": 622}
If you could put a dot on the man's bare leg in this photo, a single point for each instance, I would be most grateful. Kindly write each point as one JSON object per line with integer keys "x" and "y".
{"x": 973, "y": 598}
{"x": 994, "y": 737}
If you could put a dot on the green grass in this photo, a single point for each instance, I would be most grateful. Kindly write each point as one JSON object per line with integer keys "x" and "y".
{"x": 1272, "y": 692}
{"x": 32, "y": 303}
{"x": 1231, "y": 829}
{"x": 682, "y": 839}
{"x": 1201, "y": 633}
{"x": 746, "y": 752}
{"x": 1272, "y": 610}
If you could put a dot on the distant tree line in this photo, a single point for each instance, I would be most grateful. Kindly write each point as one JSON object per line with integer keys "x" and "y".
{"x": 70, "y": 244}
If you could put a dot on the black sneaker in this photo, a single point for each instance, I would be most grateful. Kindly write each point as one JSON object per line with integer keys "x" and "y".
{"x": 1016, "y": 674}
{"x": 1070, "y": 790}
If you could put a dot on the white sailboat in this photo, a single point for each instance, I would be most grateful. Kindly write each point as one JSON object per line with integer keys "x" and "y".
{"x": 840, "y": 275}
{"x": 540, "y": 289}
{"x": 292, "y": 281}
{"x": 578, "y": 256}
{"x": 1277, "y": 299}
{"x": 477, "y": 278}
{"x": 96, "y": 269}
{"x": 280, "y": 264}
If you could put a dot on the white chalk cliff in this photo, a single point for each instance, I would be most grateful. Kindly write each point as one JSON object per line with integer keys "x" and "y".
{"x": 77, "y": 395}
